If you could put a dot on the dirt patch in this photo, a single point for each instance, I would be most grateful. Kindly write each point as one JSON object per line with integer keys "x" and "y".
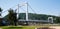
{"x": 56, "y": 27}
{"x": 45, "y": 28}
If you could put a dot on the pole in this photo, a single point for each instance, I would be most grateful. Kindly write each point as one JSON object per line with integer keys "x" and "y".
{"x": 18, "y": 12}
{"x": 27, "y": 12}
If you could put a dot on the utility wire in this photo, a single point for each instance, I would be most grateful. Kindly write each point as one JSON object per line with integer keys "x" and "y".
{"x": 32, "y": 8}
{"x": 22, "y": 8}
{"x": 8, "y": 9}
{"x": 4, "y": 11}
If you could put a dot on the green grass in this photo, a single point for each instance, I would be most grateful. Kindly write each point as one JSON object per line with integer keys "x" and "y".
{"x": 21, "y": 27}
{"x": 12, "y": 28}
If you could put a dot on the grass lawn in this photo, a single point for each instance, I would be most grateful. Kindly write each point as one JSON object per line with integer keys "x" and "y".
{"x": 21, "y": 27}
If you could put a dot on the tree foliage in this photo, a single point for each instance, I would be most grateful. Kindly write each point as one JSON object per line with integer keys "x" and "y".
{"x": 12, "y": 17}
{"x": 0, "y": 9}
{"x": 0, "y": 17}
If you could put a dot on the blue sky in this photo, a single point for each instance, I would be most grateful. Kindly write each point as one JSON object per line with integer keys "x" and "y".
{"x": 49, "y": 7}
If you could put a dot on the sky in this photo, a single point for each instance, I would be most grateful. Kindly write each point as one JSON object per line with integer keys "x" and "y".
{"x": 49, "y": 7}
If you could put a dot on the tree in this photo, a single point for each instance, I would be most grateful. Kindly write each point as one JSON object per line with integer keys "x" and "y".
{"x": 12, "y": 18}
{"x": 57, "y": 20}
{"x": 0, "y": 16}
{"x": 0, "y": 11}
